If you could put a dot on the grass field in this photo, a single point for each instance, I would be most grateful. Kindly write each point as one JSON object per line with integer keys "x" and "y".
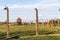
{"x": 41, "y": 38}
{"x": 44, "y": 38}
{"x": 28, "y": 30}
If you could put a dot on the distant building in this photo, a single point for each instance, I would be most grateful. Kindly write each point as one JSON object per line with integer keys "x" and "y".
{"x": 19, "y": 21}
{"x": 54, "y": 22}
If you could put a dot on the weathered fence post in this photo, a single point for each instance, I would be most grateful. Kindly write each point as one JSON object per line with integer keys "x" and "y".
{"x": 58, "y": 22}
{"x": 37, "y": 28}
{"x": 7, "y": 9}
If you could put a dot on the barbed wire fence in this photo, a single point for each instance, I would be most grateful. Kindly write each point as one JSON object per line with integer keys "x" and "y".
{"x": 28, "y": 28}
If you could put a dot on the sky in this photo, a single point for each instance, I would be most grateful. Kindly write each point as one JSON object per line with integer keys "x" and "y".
{"x": 47, "y": 9}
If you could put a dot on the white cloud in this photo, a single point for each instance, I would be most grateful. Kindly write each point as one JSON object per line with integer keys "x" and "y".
{"x": 32, "y": 6}
{"x": 49, "y": 1}
{"x": 41, "y": 5}
{"x": 23, "y": 6}
{"x": 1, "y": 7}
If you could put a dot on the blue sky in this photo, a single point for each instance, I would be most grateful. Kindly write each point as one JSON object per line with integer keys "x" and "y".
{"x": 48, "y": 9}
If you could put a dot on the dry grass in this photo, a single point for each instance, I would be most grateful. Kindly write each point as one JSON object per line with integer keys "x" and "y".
{"x": 3, "y": 28}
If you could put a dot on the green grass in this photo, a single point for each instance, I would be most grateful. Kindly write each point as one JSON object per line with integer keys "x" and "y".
{"x": 41, "y": 38}
{"x": 28, "y": 30}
